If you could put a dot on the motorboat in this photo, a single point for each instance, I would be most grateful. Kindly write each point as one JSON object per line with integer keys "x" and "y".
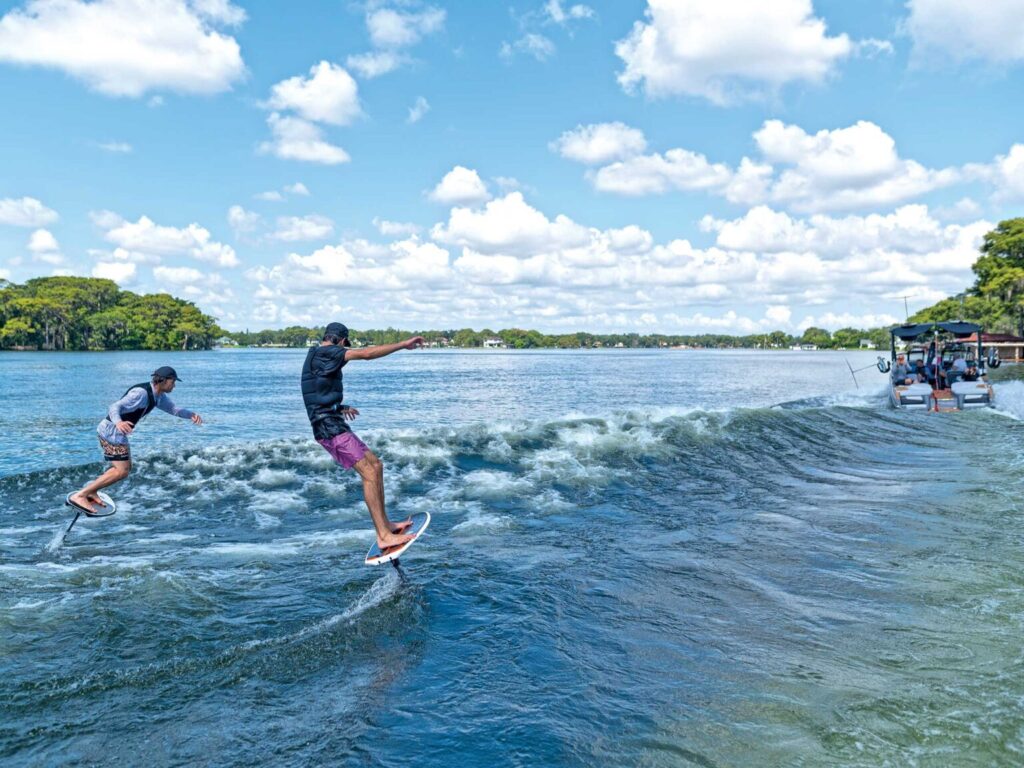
{"x": 934, "y": 368}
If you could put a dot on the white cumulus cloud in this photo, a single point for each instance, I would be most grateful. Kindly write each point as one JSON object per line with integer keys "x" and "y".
{"x": 221, "y": 11}
{"x": 395, "y": 228}
{"x": 121, "y": 272}
{"x": 831, "y": 170}
{"x": 298, "y": 139}
{"x": 128, "y": 47}
{"x": 868, "y": 255}
{"x": 843, "y": 168}
{"x": 329, "y": 95}
{"x": 144, "y": 240}
{"x": 242, "y": 221}
{"x": 600, "y": 143}
{"x": 25, "y": 212}
{"x": 460, "y": 186}
{"x": 375, "y": 63}
{"x": 42, "y": 240}
{"x": 509, "y": 225}
{"x": 1005, "y": 173}
{"x": 391, "y": 28}
{"x": 653, "y": 174}
{"x": 727, "y": 50}
{"x": 178, "y": 275}
{"x": 392, "y": 31}
{"x": 765, "y": 270}
{"x": 990, "y": 31}
{"x": 44, "y": 247}
{"x": 292, "y": 228}
{"x": 358, "y": 265}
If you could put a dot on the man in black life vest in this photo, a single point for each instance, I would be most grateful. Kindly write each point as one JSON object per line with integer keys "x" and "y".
{"x": 121, "y": 419}
{"x": 322, "y": 394}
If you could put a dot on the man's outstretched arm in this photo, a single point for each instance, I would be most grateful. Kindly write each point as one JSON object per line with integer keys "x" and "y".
{"x": 382, "y": 350}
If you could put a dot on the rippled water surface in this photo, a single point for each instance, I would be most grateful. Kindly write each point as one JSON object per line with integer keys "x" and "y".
{"x": 633, "y": 560}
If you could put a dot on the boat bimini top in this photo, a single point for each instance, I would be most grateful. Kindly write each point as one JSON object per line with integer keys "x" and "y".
{"x": 958, "y": 328}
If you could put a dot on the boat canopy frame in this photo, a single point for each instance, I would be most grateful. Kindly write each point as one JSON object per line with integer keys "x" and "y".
{"x": 958, "y": 328}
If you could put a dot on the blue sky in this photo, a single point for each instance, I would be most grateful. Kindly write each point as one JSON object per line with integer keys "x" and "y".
{"x": 662, "y": 166}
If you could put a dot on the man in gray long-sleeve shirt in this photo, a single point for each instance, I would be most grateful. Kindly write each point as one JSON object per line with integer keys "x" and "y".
{"x": 121, "y": 419}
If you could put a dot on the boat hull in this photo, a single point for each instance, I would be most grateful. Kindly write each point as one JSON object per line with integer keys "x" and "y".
{"x": 963, "y": 396}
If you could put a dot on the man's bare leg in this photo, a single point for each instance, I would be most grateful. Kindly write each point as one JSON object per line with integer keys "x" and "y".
{"x": 393, "y": 527}
{"x": 371, "y": 471}
{"x": 87, "y": 497}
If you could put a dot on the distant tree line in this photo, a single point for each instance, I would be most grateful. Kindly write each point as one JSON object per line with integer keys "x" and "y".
{"x": 517, "y": 338}
{"x": 84, "y": 313}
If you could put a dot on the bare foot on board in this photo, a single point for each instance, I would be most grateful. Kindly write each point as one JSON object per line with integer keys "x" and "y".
{"x": 393, "y": 540}
{"x": 80, "y": 501}
{"x": 400, "y": 527}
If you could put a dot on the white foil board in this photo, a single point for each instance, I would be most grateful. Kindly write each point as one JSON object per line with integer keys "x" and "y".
{"x": 420, "y": 522}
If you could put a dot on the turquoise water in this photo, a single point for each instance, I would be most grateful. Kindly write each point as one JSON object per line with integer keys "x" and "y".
{"x": 633, "y": 560}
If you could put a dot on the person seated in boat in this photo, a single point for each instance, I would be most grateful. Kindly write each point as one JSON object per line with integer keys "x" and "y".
{"x": 956, "y": 370}
{"x": 903, "y": 373}
{"x": 921, "y": 371}
{"x": 971, "y": 374}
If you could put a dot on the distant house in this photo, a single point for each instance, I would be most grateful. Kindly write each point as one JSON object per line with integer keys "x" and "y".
{"x": 620, "y": 345}
{"x": 494, "y": 344}
{"x": 1010, "y": 347}
{"x": 868, "y": 344}
{"x": 804, "y": 348}
{"x": 225, "y": 341}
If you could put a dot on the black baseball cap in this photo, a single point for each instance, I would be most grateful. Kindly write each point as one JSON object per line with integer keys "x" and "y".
{"x": 166, "y": 372}
{"x": 339, "y": 330}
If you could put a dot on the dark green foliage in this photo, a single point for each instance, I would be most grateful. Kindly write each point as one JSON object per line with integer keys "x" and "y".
{"x": 80, "y": 313}
{"x": 996, "y": 300}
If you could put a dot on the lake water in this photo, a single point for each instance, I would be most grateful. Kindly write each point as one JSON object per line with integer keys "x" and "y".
{"x": 633, "y": 560}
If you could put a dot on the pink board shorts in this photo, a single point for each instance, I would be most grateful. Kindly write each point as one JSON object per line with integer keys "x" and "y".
{"x": 346, "y": 449}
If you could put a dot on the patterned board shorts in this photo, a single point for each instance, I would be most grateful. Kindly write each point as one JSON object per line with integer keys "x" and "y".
{"x": 115, "y": 452}
{"x": 346, "y": 448}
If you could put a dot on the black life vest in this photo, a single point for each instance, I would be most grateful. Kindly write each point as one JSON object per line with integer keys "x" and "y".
{"x": 134, "y": 417}
{"x": 322, "y": 392}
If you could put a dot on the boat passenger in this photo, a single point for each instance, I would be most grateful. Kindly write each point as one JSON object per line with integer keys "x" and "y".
{"x": 903, "y": 373}
{"x": 921, "y": 370}
{"x": 956, "y": 370}
{"x": 971, "y": 374}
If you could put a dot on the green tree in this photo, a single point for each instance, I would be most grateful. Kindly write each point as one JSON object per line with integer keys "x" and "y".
{"x": 110, "y": 329}
{"x": 89, "y": 313}
{"x": 817, "y": 336}
{"x": 848, "y": 338}
{"x": 466, "y": 337}
{"x": 17, "y": 332}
